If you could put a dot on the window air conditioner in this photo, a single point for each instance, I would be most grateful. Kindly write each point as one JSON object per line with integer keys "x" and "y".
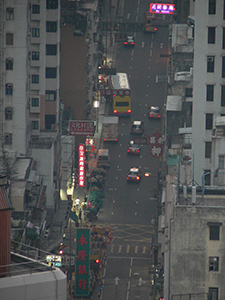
{"x": 210, "y": 58}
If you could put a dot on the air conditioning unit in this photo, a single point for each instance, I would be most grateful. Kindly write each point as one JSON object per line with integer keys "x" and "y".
{"x": 210, "y": 58}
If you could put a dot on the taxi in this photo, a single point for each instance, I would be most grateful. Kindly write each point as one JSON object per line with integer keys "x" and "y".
{"x": 134, "y": 175}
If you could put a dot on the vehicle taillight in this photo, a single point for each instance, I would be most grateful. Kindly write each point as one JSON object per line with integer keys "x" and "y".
{"x": 138, "y": 177}
{"x": 129, "y": 111}
{"x": 115, "y": 140}
{"x": 158, "y": 116}
{"x": 138, "y": 151}
{"x": 132, "y": 43}
{"x": 115, "y": 111}
{"x": 128, "y": 150}
{"x": 125, "y": 43}
{"x": 150, "y": 115}
{"x": 155, "y": 28}
{"x": 114, "y": 95}
{"x": 127, "y": 178}
{"x": 104, "y": 140}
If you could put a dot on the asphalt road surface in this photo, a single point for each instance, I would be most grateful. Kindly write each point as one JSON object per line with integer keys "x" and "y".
{"x": 131, "y": 208}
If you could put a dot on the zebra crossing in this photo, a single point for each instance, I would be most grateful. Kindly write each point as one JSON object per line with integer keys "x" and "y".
{"x": 125, "y": 249}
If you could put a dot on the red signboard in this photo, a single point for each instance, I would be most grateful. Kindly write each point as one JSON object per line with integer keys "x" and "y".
{"x": 156, "y": 144}
{"x": 81, "y": 127}
{"x": 162, "y": 8}
{"x": 81, "y": 165}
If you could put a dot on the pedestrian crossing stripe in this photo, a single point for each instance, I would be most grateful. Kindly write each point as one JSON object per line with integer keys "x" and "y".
{"x": 119, "y": 249}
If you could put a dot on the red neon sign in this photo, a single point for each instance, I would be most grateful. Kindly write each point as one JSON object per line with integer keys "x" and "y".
{"x": 81, "y": 165}
{"x": 162, "y": 8}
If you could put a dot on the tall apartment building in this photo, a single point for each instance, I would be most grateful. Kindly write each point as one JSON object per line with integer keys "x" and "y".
{"x": 209, "y": 92}
{"x": 29, "y": 85}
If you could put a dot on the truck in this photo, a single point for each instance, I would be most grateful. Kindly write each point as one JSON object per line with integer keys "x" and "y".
{"x": 110, "y": 129}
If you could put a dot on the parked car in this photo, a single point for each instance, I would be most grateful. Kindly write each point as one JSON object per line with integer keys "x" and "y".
{"x": 154, "y": 112}
{"x": 137, "y": 127}
{"x": 134, "y": 175}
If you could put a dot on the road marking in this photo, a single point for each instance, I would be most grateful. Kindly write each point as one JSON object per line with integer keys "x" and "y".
{"x": 136, "y": 250}
{"x": 150, "y": 53}
{"x": 110, "y": 189}
{"x": 161, "y": 45}
{"x": 135, "y": 213}
{"x": 120, "y": 248}
{"x": 128, "y": 16}
{"x": 130, "y": 272}
{"x": 142, "y": 44}
{"x": 127, "y": 295}
{"x": 128, "y": 286}
{"x": 130, "y": 67}
{"x": 135, "y": 34}
{"x": 136, "y": 202}
{"x": 119, "y": 171}
{"x": 138, "y": 2}
{"x": 116, "y": 178}
{"x": 144, "y": 250}
{"x": 128, "y": 248}
{"x": 131, "y": 261}
{"x": 103, "y": 275}
{"x": 132, "y": 52}
{"x": 112, "y": 248}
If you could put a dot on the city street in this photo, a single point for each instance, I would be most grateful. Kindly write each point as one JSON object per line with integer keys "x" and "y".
{"x": 128, "y": 207}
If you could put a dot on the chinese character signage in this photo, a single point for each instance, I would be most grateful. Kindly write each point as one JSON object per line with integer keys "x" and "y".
{"x": 156, "y": 144}
{"x": 82, "y": 266}
{"x": 81, "y": 165}
{"x": 81, "y": 127}
{"x": 162, "y": 8}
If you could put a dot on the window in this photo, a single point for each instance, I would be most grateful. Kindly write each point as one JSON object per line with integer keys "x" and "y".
{"x": 35, "y": 32}
{"x": 35, "y": 79}
{"x": 213, "y": 263}
{"x": 221, "y": 162}
{"x": 35, "y": 102}
{"x": 8, "y": 138}
{"x": 212, "y": 7}
{"x": 51, "y": 49}
{"x": 34, "y": 125}
{"x": 208, "y": 149}
{"x": 213, "y": 293}
{"x": 223, "y": 67}
{"x": 9, "y": 13}
{"x": 209, "y": 121}
{"x": 207, "y": 177}
{"x": 222, "y": 95}
{"x": 214, "y": 232}
{"x": 49, "y": 121}
{"x": 223, "y": 42}
{"x": 9, "y": 89}
{"x": 189, "y": 92}
{"x": 209, "y": 92}
{"x": 211, "y": 35}
{"x": 52, "y": 4}
{"x": 51, "y": 26}
{"x": 9, "y": 38}
{"x": 35, "y": 55}
{"x": 9, "y": 64}
{"x": 35, "y": 9}
{"x": 50, "y": 73}
{"x": 210, "y": 64}
{"x": 8, "y": 113}
{"x": 50, "y": 95}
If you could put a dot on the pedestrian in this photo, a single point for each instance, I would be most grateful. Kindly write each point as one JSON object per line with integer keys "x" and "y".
{"x": 77, "y": 202}
{"x": 80, "y": 214}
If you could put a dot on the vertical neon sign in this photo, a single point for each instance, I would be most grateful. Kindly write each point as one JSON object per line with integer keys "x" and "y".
{"x": 81, "y": 165}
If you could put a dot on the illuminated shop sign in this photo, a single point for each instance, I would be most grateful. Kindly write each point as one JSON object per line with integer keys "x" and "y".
{"x": 81, "y": 165}
{"x": 82, "y": 265}
{"x": 162, "y": 8}
{"x": 81, "y": 127}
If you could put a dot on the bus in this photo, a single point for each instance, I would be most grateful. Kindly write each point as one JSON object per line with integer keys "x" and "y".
{"x": 149, "y": 19}
{"x": 121, "y": 94}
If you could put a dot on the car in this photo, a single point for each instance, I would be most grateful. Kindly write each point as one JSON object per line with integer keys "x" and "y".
{"x": 129, "y": 42}
{"x": 133, "y": 148}
{"x": 137, "y": 127}
{"x": 154, "y": 112}
{"x": 134, "y": 175}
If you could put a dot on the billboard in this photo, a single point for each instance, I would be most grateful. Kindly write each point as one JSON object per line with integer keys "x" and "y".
{"x": 82, "y": 262}
{"x": 81, "y": 128}
{"x": 162, "y": 8}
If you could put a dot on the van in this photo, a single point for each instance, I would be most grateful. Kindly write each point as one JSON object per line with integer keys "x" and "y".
{"x": 103, "y": 159}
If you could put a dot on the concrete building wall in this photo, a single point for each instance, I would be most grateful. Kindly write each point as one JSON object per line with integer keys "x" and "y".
{"x": 42, "y": 285}
{"x": 201, "y": 78}
{"x": 191, "y": 247}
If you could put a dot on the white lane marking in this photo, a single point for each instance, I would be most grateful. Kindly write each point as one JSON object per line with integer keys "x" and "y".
{"x": 142, "y": 44}
{"x": 130, "y": 272}
{"x": 136, "y": 202}
{"x": 135, "y": 213}
{"x": 128, "y": 286}
{"x": 130, "y": 67}
{"x": 128, "y": 16}
{"x": 127, "y": 295}
{"x": 103, "y": 275}
{"x": 135, "y": 34}
{"x": 132, "y": 52}
{"x": 138, "y": 2}
{"x": 161, "y": 45}
{"x": 131, "y": 261}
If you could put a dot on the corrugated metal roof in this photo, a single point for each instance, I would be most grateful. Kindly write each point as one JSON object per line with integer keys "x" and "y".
{"x": 4, "y": 200}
